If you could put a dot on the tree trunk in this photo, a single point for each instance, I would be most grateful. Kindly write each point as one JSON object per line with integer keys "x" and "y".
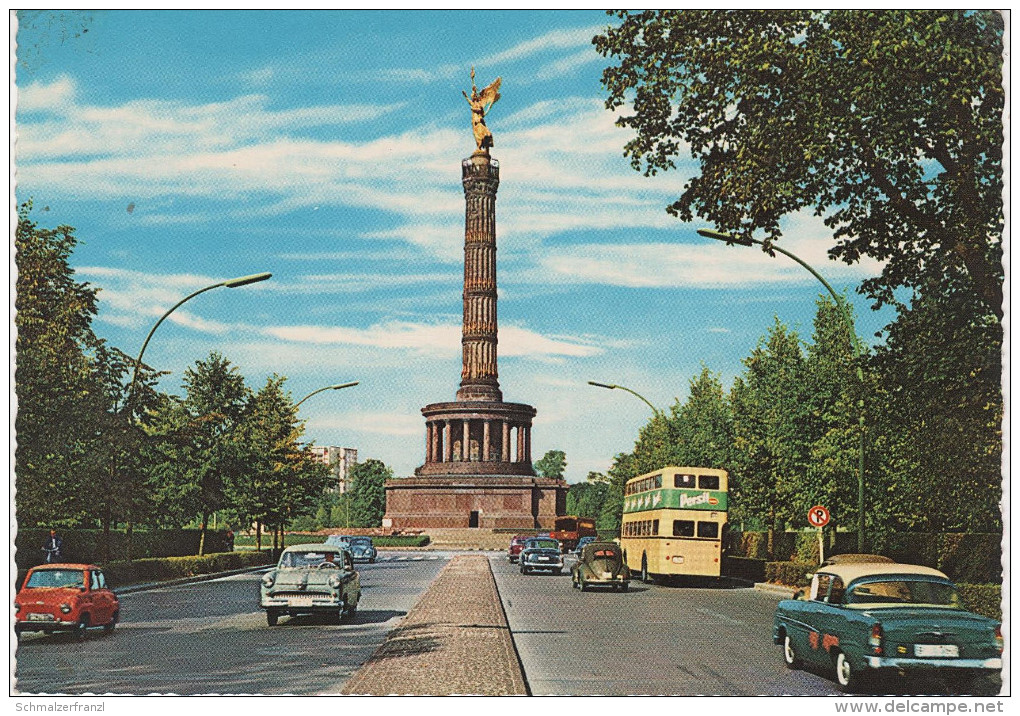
{"x": 130, "y": 531}
{"x": 258, "y": 536}
{"x": 201, "y": 539}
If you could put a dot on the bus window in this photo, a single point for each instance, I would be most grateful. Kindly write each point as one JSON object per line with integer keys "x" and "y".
{"x": 708, "y": 529}
{"x": 683, "y": 528}
{"x": 658, "y": 481}
{"x": 708, "y": 482}
{"x": 655, "y": 527}
{"x": 683, "y": 481}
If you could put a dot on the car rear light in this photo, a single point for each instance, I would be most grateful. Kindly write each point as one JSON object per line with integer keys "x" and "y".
{"x": 999, "y": 644}
{"x": 875, "y": 640}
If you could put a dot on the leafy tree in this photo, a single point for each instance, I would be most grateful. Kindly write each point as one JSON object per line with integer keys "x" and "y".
{"x": 215, "y": 400}
{"x": 889, "y": 123}
{"x": 552, "y": 464}
{"x": 368, "y": 492}
{"x": 939, "y": 415}
{"x": 831, "y": 419}
{"x": 769, "y": 452}
{"x": 703, "y": 425}
{"x": 585, "y": 499}
{"x": 54, "y": 380}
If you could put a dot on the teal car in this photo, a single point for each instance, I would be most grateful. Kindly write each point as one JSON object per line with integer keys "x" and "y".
{"x": 864, "y": 618}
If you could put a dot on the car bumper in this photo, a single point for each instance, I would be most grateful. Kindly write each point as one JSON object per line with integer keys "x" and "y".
{"x": 882, "y": 662}
{"x": 54, "y": 625}
{"x": 544, "y": 565}
{"x": 323, "y": 602}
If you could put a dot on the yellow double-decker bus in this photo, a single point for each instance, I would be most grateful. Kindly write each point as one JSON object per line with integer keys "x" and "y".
{"x": 674, "y": 520}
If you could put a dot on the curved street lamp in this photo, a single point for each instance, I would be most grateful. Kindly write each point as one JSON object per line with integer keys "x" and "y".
{"x": 328, "y": 387}
{"x": 858, "y": 350}
{"x": 638, "y": 395}
{"x": 231, "y": 283}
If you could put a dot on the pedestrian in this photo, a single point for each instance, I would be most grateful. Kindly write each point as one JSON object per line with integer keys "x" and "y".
{"x": 53, "y": 547}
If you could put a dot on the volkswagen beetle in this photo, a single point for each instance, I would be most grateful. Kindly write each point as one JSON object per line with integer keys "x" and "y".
{"x": 311, "y": 579}
{"x": 862, "y": 618}
{"x": 600, "y": 563}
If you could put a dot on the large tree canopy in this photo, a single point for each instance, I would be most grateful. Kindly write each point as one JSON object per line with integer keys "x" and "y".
{"x": 887, "y": 123}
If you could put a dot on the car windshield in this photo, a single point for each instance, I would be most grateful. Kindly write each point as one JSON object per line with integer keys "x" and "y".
{"x": 56, "y": 578}
{"x": 898, "y": 592}
{"x": 338, "y": 540}
{"x": 542, "y": 544}
{"x": 362, "y": 541}
{"x": 308, "y": 559}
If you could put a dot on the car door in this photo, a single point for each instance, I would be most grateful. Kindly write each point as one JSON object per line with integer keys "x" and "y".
{"x": 805, "y": 632}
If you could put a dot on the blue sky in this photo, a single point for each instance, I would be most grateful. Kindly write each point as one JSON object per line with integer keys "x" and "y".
{"x": 190, "y": 147}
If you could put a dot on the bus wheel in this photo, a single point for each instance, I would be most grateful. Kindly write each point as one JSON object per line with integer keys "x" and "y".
{"x": 644, "y": 569}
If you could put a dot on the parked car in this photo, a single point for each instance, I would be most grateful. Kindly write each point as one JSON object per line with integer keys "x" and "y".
{"x": 339, "y": 540}
{"x": 362, "y": 549}
{"x": 65, "y": 597}
{"x": 581, "y": 543}
{"x": 311, "y": 579}
{"x": 600, "y": 563}
{"x": 861, "y": 618}
{"x": 513, "y": 552}
{"x": 541, "y": 553}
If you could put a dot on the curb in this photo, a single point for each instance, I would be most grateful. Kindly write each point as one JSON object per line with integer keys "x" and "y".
{"x": 129, "y": 589}
{"x": 775, "y": 590}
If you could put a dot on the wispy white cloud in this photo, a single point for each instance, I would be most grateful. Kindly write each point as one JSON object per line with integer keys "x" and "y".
{"x": 554, "y": 40}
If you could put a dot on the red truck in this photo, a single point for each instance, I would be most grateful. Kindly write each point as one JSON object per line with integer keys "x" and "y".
{"x": 569, "y": 529}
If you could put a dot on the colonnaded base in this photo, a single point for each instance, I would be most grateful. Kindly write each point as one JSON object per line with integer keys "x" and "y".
{"x": 482, "y": 501}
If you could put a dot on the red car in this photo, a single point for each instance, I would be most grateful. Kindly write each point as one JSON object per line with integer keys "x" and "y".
{"x": 516, "y": 545}
{"x": 65, "y": 597}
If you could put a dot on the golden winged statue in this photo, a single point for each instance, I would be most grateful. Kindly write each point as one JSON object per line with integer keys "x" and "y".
{"x": 480, "y": 103}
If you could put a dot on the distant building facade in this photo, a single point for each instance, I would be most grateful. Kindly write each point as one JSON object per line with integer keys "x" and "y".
{"x": 340, "y": 461}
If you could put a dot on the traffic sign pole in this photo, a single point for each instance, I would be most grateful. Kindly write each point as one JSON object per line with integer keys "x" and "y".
{"x": 819, "y": 517}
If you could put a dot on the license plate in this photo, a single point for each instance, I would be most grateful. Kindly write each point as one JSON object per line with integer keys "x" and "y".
{"x": 300, "y": 601}
{"x": 678, "y": 560}
{"x": 607, "y": 575}
{"x": 40, "y": 617}
{"x": 936, "y": 650}
{"x": 545, "y": 559}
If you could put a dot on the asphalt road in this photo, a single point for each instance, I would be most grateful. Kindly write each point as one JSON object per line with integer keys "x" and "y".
{"x": 211, "y": 638}
{"x": 703, "y": 639}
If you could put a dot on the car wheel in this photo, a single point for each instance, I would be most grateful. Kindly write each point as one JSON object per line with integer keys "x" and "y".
{"x": 113, "y": 622}
{"x": 352, "y": 609}
{"x": 624, "y": 587}
{"x": 272, "y": 617}
{"x": 524, "y": 570}
{"x": 584, "y": 585}
{"x": 846, "y": 676}
{"x": 789, "y": 655}
{"x": 82, "y": 628}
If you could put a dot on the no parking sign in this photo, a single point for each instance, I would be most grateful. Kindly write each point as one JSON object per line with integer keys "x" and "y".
{"x": 818, "y": 516}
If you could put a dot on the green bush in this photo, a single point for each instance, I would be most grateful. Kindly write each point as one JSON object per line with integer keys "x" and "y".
{"x": 168, "y": 568}
{"x": 972, "y": 558}
{"x": 984, "y": 599}
{"x": 789, "y": 573}
{"x": 744, "y": 568}
{"x": 86, "y": 546}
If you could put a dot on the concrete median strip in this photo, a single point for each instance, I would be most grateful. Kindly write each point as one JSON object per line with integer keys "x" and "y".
{"x": 455, "y": 640}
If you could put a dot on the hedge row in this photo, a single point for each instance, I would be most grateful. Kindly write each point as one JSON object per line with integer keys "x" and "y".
{"x": 789, "y": 573}
{"x": 86, "y": 546}
{"x": 984, "y": 599}
{"x": 292, "y": 539}
{"x": 970, "y": 558}
{"x": 165, "y": 569}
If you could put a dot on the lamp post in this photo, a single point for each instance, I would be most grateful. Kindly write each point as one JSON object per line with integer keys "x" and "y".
{"x": 858, "y": 350}
{"x": 639, "y": 396}
{"x": 231, "y": 283}
{"x": 328, "y": 387}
